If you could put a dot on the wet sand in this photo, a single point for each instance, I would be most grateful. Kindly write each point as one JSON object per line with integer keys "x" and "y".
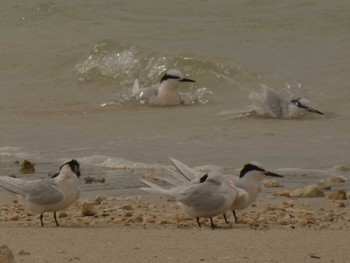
{"x": 147, "y": 229}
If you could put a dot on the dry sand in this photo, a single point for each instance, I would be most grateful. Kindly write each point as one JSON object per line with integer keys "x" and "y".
{"x": 120, "y": 244}
{"x": 139, "y": 229}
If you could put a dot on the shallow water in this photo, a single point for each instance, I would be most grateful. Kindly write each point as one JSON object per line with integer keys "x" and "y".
{"x": 66, "y": 66}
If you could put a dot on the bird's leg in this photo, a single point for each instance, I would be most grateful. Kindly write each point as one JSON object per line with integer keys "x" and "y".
{"x": 199, "y": 224}
{"x": 212, "y": 224}
{"x": 234, "y": 214}
{"x": 41, "y": 219}
{"x": 225, "y": 218}
{"x": 54, "y": 216}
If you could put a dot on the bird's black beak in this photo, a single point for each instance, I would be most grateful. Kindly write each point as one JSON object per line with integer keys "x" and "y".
{"x": 54, "y": 175}
{"x": 187, "y": 80}
{"x": 309, "y": 109}
{"x": 273, "y": 174}
{"x": 78, "y": 173}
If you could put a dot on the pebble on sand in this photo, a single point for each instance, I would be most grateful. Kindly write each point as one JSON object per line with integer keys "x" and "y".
{"x": 342, "y": 168}
{"x": 6, "y": 255}
{"x": 23, "y": 253}
{"x": 90, "y": 180}
{"x": 88, "y": 209}
{"x": 62, "y": 214}
{"x": 27, "y": 167}
{"x": 341, "y": 204}
{"x": 308, "y": 191}
{"x": 139, "y": 212}
{"x": 336, "y": 179}
{"x": 14, "y": 218}
{"x": 338, "y": 195}
{"x": 127, "y": 207}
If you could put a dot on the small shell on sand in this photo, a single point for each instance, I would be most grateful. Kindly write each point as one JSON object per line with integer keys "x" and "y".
{"x": 6, "y": 255}
{"x": 338, "y": 195}
{"x": 88, "y": 209}
{"x": 308, "y": 191}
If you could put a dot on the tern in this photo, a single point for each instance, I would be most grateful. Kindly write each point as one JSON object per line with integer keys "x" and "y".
{"x": 47, "y": 195}
{"x": 164, "y": 94}
{"x": 270, "y": 103}
{"x": 207, "y": 196}
{"x": 249, "y": 182}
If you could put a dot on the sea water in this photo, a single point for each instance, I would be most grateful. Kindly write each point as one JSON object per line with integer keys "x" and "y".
{"x": 67, "y": 69}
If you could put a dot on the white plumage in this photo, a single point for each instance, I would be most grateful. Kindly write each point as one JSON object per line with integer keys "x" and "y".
{"x": 248, "y": 185}
{"x": 207, "y": 196}
{"x": 47, "y": 195}
{"x": 271, "y": 104}
{"x": 164, "y": 94}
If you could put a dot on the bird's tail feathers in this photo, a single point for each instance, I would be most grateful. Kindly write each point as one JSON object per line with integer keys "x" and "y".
{"x": 189, "y": 173}
{"x": 177, "y": 178}
{"x": 169, "y": 180}
{"x": 155, "y": 189}
{"x": 11, "y": 185}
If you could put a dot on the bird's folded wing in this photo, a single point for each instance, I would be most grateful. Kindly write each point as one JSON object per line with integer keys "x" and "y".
{"x": 44, "y": 192}
{"x": 202, "y": 197}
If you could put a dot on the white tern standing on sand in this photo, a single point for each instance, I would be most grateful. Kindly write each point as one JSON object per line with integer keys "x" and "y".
{"x": 203, "y": 197}
{"x": 164, "y": 94}
{"x": 250, "y": 182}
{"x": 47, "y": 195}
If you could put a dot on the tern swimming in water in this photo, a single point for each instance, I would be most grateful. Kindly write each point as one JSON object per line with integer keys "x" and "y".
{"x": 47, "y": 195}
{"x": 250, "y": 181}
{"x": 271, "y": 104}
{"x": 164, "y": 94}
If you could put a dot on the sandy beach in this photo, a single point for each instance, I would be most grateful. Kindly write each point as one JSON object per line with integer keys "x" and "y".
{"x": 271, "y": 86}
{"x": 147, "y": 229}
{"x": 119, "y": 244}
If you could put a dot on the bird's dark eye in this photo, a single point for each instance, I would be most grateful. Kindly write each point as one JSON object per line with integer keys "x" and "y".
{"x": 297, "y": 103}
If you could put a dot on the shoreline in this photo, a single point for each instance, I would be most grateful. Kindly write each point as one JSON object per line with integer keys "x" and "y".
{"x": 268, "y": 212}
{"x": 153, "y": 229}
